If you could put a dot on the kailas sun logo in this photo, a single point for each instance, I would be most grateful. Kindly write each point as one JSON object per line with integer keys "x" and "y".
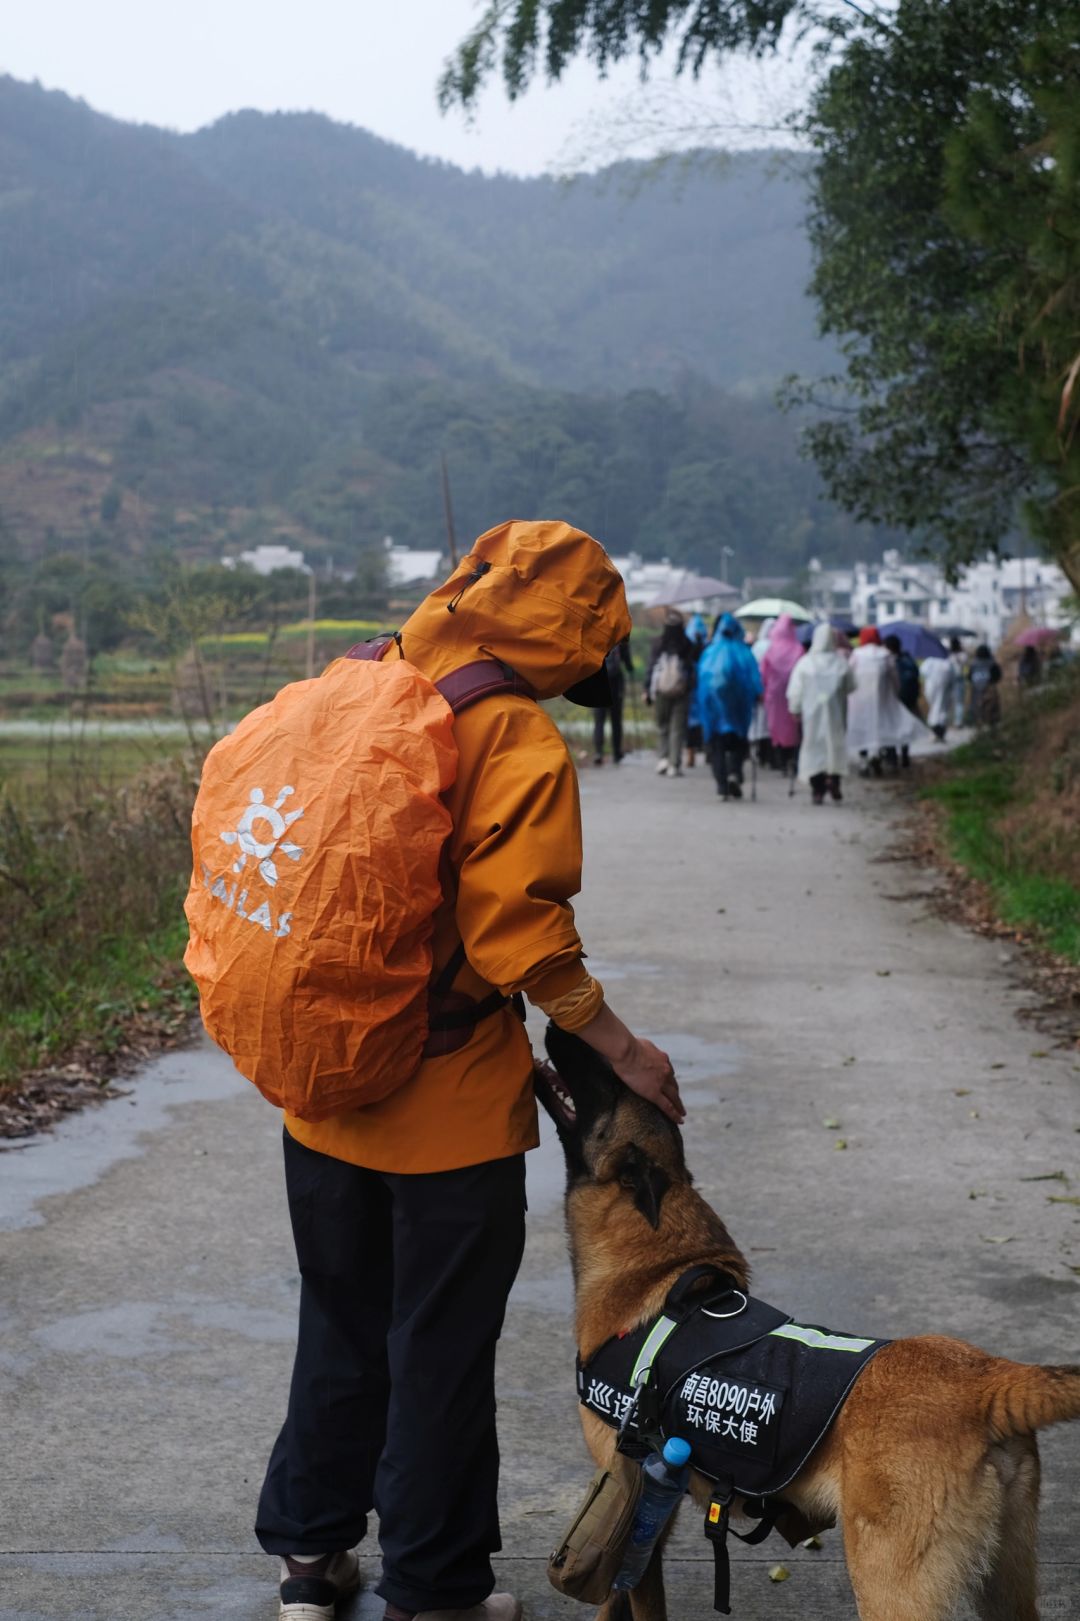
{"x": 260, "y": 834}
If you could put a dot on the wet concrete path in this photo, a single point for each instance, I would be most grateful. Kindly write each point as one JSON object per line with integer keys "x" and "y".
{"x": 147, "y": 1294}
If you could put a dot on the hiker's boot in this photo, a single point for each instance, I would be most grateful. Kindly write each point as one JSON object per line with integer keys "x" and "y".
{"x": 499, "y": 1607}
{"x": 835, "y": 791}
{"x": 661, "y": 768}
{"x": 310, "y": 1588}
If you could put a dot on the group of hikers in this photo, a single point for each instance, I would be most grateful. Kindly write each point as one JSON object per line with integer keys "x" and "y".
{"x": 793, "y": 707}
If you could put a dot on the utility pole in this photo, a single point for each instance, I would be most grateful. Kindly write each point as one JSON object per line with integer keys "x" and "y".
{"x": 451, "y": 539}
{"x": 311, "y": 624}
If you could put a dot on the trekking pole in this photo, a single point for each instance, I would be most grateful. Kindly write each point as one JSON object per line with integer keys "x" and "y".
{"x": 753, "y": 776}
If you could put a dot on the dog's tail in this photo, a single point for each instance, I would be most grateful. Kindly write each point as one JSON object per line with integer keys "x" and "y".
{"x": 1022, "y": 1398}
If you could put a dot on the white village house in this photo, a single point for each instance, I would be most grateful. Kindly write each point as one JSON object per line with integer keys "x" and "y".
{"x": 985, "y": 600}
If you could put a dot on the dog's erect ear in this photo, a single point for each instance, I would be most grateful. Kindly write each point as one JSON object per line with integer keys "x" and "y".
{"x": 646, "y": 1180}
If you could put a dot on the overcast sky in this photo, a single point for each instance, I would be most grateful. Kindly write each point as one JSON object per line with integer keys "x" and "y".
{"x": 183, "y": 63}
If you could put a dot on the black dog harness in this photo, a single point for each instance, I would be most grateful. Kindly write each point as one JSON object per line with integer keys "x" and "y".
{"x": 750, "y": 1390}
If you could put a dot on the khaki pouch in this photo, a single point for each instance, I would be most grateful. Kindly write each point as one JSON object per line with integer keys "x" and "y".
{"x": 588, "y": 1558}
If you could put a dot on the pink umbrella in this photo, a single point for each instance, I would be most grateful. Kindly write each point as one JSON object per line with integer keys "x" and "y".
{"x": 1036, "y": 636}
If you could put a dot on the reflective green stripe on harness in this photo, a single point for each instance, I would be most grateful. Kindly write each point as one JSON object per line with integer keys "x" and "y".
{"x": 819, "y": 1341}
{"x": 658, "y": 1334}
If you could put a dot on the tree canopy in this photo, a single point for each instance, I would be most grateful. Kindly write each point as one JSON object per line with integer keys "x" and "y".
{"x": 945, "y": 225}
{"x": 946, "y": 231}
{"x": 515, "y": 36}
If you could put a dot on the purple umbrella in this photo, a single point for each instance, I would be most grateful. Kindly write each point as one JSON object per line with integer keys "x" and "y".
{"x": 915, "y": 639}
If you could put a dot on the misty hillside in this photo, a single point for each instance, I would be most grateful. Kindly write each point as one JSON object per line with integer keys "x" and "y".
{"x": 274, "y": 327}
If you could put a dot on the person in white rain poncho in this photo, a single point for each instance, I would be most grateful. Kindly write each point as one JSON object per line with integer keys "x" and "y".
{"x": 877, "y": 719}
{"x": 759, "y": 727}
{"x": 818, "y": 692}
{"x": 939, "y": 681}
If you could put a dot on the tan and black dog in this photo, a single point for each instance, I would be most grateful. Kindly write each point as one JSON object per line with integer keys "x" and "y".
{"x": 931, "y": 1467}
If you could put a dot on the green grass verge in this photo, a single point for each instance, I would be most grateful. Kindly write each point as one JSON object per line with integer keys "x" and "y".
{"x": 131, "y": 984}
{"x": 93, "y": 874}
{"x": 980, "y": 787}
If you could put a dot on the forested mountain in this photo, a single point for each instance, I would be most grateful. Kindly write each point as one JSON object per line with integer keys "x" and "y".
{"x": 275, "y": 326}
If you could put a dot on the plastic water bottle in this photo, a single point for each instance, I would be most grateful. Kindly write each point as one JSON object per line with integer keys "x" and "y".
{"x": 666, "y": 1477}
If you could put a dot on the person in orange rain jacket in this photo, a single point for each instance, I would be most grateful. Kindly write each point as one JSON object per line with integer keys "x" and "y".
{"x": 408, "y": 1214}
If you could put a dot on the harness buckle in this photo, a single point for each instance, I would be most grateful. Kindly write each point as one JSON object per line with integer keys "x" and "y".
{"x": 640, "y": 1430}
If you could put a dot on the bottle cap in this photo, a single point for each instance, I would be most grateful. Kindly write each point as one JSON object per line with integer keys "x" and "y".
{"x": 676, "y": 1452}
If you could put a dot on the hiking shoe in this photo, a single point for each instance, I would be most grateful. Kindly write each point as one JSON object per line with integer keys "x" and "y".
{"x": 310, "y": 1590}
{"x": 661, "y": 768}
{"x": 499, "y": 1607}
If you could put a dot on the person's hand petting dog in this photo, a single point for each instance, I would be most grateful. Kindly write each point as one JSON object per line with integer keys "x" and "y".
{"x": 638, "y": 1063}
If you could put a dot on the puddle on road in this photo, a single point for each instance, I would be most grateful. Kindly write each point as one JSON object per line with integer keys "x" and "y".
{"x": 84, "y": 1146}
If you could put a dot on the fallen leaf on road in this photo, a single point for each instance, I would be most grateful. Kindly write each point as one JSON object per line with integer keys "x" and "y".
{"x": 1062, "y": 1198}
{"x": 778, "y": 1573}
{"x": 961, "y": 1092}
{"x": 1040, "y": 1055}
{"x": 883, "y": 973}
{"x": 830, "y": 1124}
{"x": 973, "y": 1114}
{"x": 841, "y": 1142}
{"x": 848, "y": 1061}
{"x": 1047, "y": 1176}
{"x": 814, "y": 1543}
{"x": 999, "y": 1066}
{"x": 988, "y": 1239}
{"x": 977, "y": 1193}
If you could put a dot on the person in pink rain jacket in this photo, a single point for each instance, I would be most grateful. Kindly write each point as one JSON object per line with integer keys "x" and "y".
{"x": 784, "y": 652}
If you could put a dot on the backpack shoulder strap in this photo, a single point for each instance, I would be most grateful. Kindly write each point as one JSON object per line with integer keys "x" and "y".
{"x": 462, "y": 688}
{"x": 482, "y": 679}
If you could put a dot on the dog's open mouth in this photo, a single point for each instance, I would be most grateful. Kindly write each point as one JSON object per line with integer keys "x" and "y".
{"x": 554, "y": 1095}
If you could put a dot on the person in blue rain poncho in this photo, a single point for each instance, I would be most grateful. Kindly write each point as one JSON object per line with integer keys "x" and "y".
{"x": 729, "y": 685}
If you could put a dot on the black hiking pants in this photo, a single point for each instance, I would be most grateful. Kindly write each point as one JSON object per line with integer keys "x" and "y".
{"x": 404, "y": 1281}
{"x": 727, "y": 752}
{"x": 616, "y": 714}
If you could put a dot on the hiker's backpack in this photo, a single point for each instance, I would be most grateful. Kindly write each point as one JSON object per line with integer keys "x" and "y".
{"x": 908, "y": 674}
{"x": 981, "y": 674}
{"x": 317, "y": 835}
{"x": 669, "y": 677}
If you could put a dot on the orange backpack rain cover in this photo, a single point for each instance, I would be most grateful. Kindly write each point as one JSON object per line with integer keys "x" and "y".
{"x": 316, "y": 834}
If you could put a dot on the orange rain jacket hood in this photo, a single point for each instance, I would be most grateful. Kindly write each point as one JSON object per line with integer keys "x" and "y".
{"x": 549, "y": 603}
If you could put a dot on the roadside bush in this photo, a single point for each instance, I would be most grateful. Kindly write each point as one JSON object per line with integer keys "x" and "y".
{"x": 92, "y": 880}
